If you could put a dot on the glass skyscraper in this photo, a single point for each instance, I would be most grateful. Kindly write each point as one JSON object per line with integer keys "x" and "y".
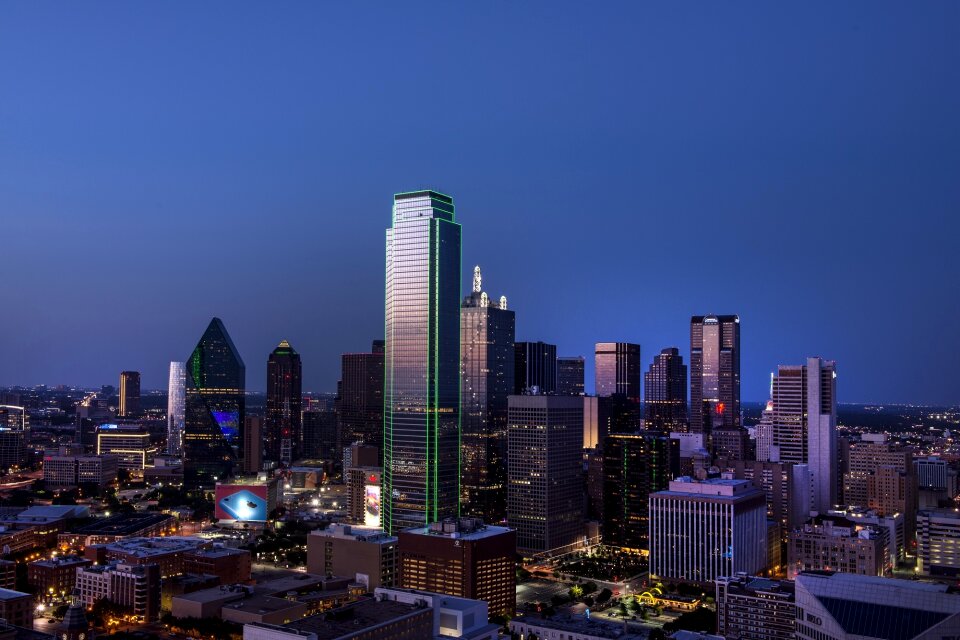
{"x": 175, "y": 408}
{"x": 421, "y": 439}
{"x": 284, "y": 434}
{"x": 714, "y": 373}
{"x": 665, "y": 392}
{"x": 214, "y": 408}
{"x": 487, "y": 337}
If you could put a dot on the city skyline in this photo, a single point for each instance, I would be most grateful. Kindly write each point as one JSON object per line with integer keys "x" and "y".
{"x": 703, "y": 142}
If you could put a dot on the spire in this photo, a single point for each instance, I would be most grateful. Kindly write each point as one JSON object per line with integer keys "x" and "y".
{"x": 476, "y": 279}
{"x": 503, "y": 302}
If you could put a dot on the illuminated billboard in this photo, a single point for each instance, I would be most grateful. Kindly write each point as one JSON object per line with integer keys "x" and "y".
{"x": 371, "y": 506}
{"x": 245, "y": 503}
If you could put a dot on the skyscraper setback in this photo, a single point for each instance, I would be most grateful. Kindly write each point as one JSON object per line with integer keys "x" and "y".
{"x": 714, "y": 373}
{"x": 421, "y": 440}
{"x": 175, "y": 407}
{"x": 665, "y": 392}
{"x": 215, "y": 408}
{"x": 284, "y": 426}
{"x": 487, "y": 369}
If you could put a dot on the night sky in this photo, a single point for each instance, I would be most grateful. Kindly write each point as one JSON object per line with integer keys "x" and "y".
{"x": 616, "y": 168}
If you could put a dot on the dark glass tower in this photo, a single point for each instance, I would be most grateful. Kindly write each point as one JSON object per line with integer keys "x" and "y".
{"x": 634, "y": 466}
{"x": 214, "y": 408}
{"x": 284, "y": 433}
{"x": 129, "y": 394}
{"x": 714, "y": 373}
{"x": 360, "y": 398}
{"x": 421, "y": 439}
{"x": 487, "y": 370}
{"x": 535, "y": 365}
{"x": 617, "y": 370}
{"x": 665, "y": 392}
{"x": 570, "y": 376}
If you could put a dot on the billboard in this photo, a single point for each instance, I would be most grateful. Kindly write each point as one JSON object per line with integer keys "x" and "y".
{"x": 371, "y": 506}
{"x": 241, "y": 502}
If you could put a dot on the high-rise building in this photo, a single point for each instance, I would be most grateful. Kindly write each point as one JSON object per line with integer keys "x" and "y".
{"x": 570, "y": 375}
{"x": 135, "y": 588}
{"x": 890, "y": 491}
{"x": 320, "y": 434}
{"x": 421, "y": 440}
{"x": 755, "y": 608}
{"x": 845, "y": 606}
{"x": 359, "y": 401}
{"x": 284, "y": 427}
{"x": 215, "y": 408}
{"x": 367, "y": 554}
{"x": 129, "y": 443}
{"x": 617, "y": 370}
{"x": 463, "y": 558}
{"x": 700, "y": 531}
{"x": 665, "y": 392}
{"x": 544, "y": 460}
{"x": 252, "y": 444}
{"x": 634, "y": 466}
{"x": 487, "y": 369}
{"x": 129, "y": 394}
{"x": 803, "y": 425}
{"x": 175, "y": 407}
{"x": 714, "y": 372}
{"x": 834, "y": 543}
{"x": 888, "y": 469}
{"x": 786, "y": 487}
{"x": 535, "y": 368}
{"x": 938, "y": 543}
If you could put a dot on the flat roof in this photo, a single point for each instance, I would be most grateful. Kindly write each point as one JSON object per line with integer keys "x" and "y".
{"x": 124, "y": 524}
{"x": 355, "y": 617}
{"x": 10, "y": 594}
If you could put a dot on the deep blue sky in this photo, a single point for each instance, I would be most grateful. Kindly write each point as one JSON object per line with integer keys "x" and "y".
{"x": 616, "y": 168}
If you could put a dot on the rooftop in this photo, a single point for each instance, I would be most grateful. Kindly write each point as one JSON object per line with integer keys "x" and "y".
{"x": 144, "y": 547}
{"x": 124, "y": 524}
{"x": 462, "y": 529}
{"x": 580, "y": 624}
{"x": 355, "y": 617}
{"x": 10, "y": 594}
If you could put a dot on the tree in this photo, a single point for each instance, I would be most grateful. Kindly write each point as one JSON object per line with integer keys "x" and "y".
{"x": 604, "y": 595}
{"x": 589, "y": 587}
{"x": 576, "y": 592}
{"x": 701, "y": 619}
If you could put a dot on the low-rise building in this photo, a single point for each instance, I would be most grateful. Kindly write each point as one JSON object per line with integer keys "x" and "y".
{"x": 833, "y": 543}
{"x": 755, "y": 608}
{"x": 136, "y": 587}
{"x": 55, "y": 577}
{"x": 66, "y": 471}
{"x": 367, "y": 619}
{"x": 16, "y": 608}
{"x": 231, "y": 566}
{"x": 572, "y": 627}
{"x": 119, "y": 527}
{"x": 167, "y": 553}
{"x": 452, "y": 617}
{"x": 368, "y": 555}
{"x": 844, "y": 606}
{"x": 938, "y": 543}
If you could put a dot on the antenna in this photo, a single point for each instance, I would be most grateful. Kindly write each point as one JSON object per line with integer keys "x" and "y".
{"x": 476, "y": 279}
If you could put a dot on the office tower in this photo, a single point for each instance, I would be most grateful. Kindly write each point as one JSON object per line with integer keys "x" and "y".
{"x": 700, "y": 531}
{"x": 594, "y": 425}
{"x": 834, "y": 543}
{"x": 320, "y": 434}
{"x": 14, "y": 436}
{"x": 804, "y": 425}
{"x": 882, "y": 475}
{"x": 732, "y": 443}
{"x": 421, "y": 440}
{"x": 570, "y": 376}
{"x": 617, "y": 369}
{"x": 215, "y": 408}
{"x": 359, "y": 401}
{"x": 129, "y": 443}
{"x": 129, "y": 394}
{"x": 665, "y": 392}
{"x": 535, "y": 368}
{"x": 595, "y": 483}
{"x": 284, "y": 427}
{"x": 755, "y": 608}
{"x": 344, "y": 550}
{"x": 363, "y": 495}
{"x": 938, "y": 543}
{"x": 175, "y": 406}
{"x": 486, "y": 380}
{"x": 136, "y": 588}
{"x": 634, "y": 466}
{"x": 786, "y": 487}
{"x": 252, "y": 444}
{"x": 844, "y": 606}
{"x": 936, "y": 482}
{"x": 544, "y": 460}
{"x": 764, "y": 433}
{"x": 714, "y": 372}
{"x": 463, "y": 558}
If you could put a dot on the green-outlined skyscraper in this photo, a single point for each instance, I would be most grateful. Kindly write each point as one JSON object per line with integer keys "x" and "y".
{"x": 421, "y": 427}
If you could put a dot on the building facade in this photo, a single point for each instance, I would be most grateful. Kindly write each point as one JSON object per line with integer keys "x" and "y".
{"x": 544, "y": 459}
{"x": 129, "y": 394}
{"x": 700, "y": 531}
{"x": 535, "y": 368}
{"x": 665, "y": 392}
{"x": 486, "y": 380}
{"x": 364, "y": 554}
{"x": 834, "y": 543}
{"x": 570, "y": 375}
{"x": 215, "y": 408}
{"x": 359, "y": 403}
{"x": 283, "y": 435}
{"x": 938, "y": 543}
{"x": 176, "y": 399}
{"x": 714, "y": 372}
{"x": 421, "y": 443}
{"x": 755, "y": 608}
{"x": 617, "y": 369}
